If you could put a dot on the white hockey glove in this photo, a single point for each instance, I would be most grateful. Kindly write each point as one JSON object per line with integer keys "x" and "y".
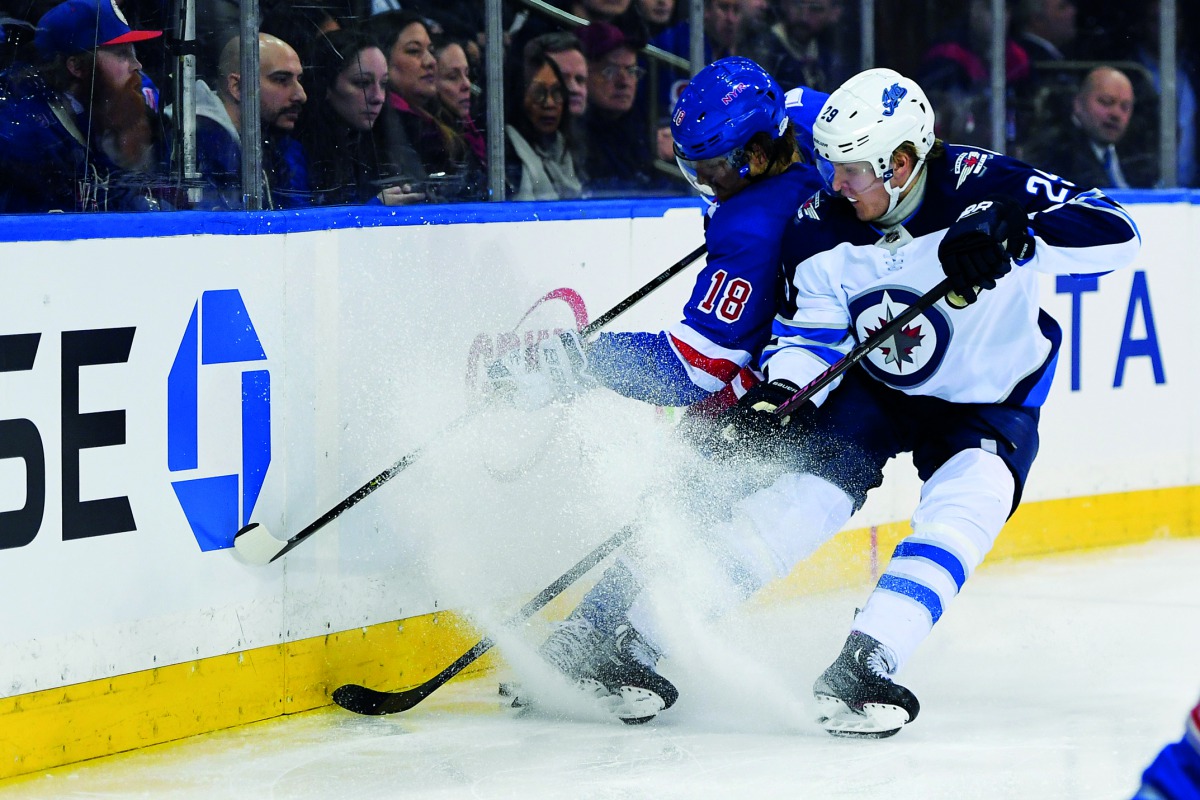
{"x": 553, "y": 370}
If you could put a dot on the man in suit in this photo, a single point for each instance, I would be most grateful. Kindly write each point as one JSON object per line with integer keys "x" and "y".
{"x": 1086, "y": 148}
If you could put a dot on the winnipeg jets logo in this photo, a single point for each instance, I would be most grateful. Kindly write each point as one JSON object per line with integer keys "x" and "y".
{"x": 898, "y": 349}
{"x": 970, "y": 163}
{"x": 911, "y": 355}
{"x": 892, "y": 97}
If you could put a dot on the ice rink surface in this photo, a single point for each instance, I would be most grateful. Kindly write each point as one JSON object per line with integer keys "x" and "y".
{"x": 1054, "y": 679}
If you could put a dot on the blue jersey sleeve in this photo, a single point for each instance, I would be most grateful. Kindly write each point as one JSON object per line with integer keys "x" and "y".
{"x": 642, "y": 366}
{"x": 727, "y": 319}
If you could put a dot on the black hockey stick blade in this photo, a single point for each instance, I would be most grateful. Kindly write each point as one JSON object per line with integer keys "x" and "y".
{"x": 362, "y": 700}
{"x": 255, "y": 545}
{"x": 924, "y": 302}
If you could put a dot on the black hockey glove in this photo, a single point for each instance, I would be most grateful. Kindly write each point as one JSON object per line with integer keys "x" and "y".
{"x": 752, "y": 421}
{"x": 977, "y": 248}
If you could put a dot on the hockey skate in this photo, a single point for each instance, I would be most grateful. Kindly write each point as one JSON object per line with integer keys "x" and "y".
{"x": 572, "y": 648}
{"x": 856, "y": 696}
{"x": 627, "y": 670}
{"x": 616, "y": 672}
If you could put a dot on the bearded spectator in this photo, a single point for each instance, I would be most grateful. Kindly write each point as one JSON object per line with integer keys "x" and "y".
{"x": 75, "y": 130}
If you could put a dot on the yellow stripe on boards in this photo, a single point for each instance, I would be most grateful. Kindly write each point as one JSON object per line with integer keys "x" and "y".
{"x": 61, "y": 726}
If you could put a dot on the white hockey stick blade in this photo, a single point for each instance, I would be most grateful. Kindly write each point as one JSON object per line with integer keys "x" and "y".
{"x": 877, "y": 720}
{"x": 255, "y": 545}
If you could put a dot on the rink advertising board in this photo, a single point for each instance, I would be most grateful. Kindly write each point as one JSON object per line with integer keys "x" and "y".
{"x": 165, "y": 379}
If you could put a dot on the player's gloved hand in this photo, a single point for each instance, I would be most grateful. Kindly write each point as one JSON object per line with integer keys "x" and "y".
{"x": 553, "y": 370}
{"x": 753, "y": 421}
{"x": 978, "y": 246}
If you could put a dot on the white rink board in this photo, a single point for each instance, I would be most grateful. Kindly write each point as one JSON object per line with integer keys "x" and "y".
{"x": 368, "y": 334}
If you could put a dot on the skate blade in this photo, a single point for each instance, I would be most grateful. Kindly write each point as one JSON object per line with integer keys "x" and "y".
{"x": 636, "y": 706}
{"x": 876, "y": 721}
{"x": 514, "y": 696}
{"x": 630, "y": 704}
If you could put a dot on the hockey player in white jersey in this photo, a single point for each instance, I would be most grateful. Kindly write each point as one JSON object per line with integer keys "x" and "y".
{"x": 959, "y": 388}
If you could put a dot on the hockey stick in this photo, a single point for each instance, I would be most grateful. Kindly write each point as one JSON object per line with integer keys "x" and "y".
{"x": 362, "y": 700}
{"x": 257, "y": 545}
{"x": 924, "y": 302}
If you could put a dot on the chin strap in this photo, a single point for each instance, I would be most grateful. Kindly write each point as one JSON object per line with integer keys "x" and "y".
{"x": 898, "y": 210}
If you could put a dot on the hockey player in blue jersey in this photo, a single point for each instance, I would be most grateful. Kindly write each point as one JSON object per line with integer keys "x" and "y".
{"x": 959, "y": 388}
{"x": 747, "y": 147}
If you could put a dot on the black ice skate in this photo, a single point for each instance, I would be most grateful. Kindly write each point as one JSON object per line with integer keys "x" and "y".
{"x": 856, "y": 696}
{"x": 628, "y": 672}
{"x": 573, "y": 648}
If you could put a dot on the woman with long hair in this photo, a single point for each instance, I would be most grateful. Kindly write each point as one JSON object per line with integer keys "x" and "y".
{"x": 347, "y": 77}
{"x": 454, "y": 88}
{"x": 452, "y": 172}
{"x": 539, "y": 163}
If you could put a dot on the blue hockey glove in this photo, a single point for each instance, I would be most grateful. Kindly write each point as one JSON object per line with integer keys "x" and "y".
{"x": 978, "y": 246}
{"x": 553, "y": 370}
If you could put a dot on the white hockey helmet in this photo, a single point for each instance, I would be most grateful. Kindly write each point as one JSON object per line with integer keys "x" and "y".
{"x": 867, "y": 118}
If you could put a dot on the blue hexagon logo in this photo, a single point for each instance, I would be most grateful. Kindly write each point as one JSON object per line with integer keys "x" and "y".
{"x": 219, "y": 332}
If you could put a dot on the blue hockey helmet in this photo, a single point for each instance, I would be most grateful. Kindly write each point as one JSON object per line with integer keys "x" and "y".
{"x": 720, "y": 110}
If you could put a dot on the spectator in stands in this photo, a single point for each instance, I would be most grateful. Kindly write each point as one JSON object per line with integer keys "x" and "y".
{"x": 602, "y": 10}
{"x": 656, "y": 14}
{"x": 723, "y": 37}
{"x": 1047, "y": 28}
{"x": 955, "y": 73}
{"x": 567, "y": 53}
{"x": 619, "y": 155}
{"x": 347, "y": 78}
{"x": 218, "y": 121}
{"x": 539, "y": 160}
{"x": 454, "y": 91}
{"x": 75, "y": 130}
{"x": 757, "y": 18}
{"x": 800, "y": 49}
{"x": 1086, "y": 150}
{"x": 450, "y": 169}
